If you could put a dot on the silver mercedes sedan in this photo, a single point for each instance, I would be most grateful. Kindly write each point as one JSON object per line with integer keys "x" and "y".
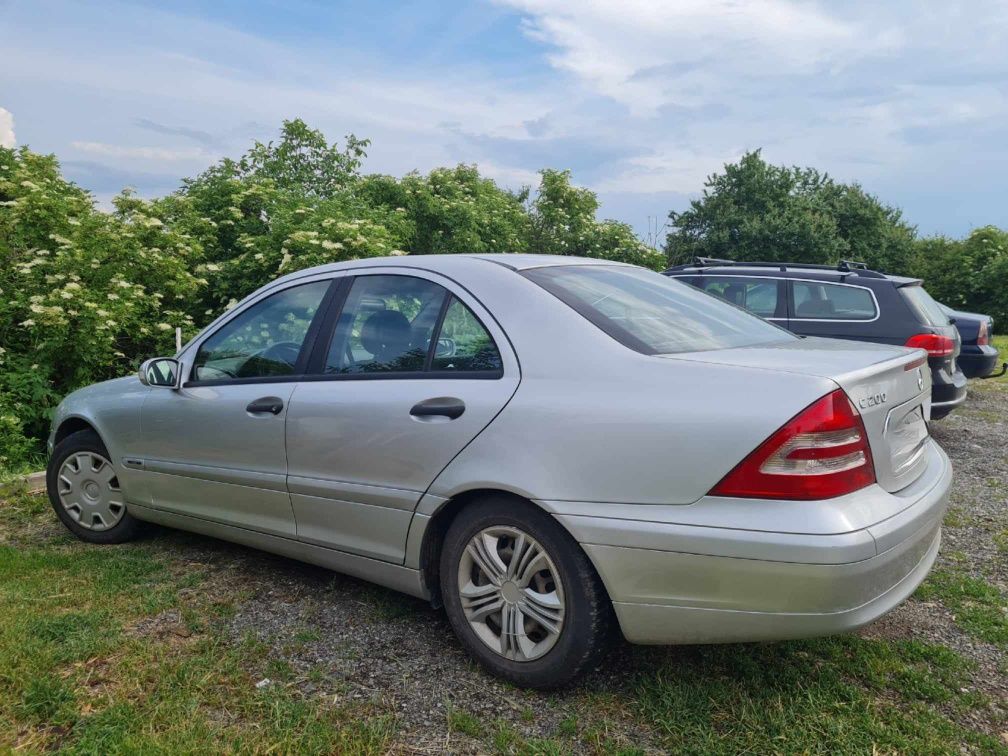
{"x": 549, "y": 447}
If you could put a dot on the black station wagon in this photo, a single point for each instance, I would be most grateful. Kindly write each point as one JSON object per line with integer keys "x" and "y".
{"x": 846, "y": 301}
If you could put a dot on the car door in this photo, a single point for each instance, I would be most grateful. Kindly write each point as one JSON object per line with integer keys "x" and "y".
{"x": 410, "y": 370}
{"x": 833, "y": 310}
{"x": 215, "y": 447}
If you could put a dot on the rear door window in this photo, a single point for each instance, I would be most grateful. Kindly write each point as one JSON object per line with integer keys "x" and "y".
{"x": 385, "y": 326}
{"x": 815, "y": 300}
{"x": 758, "y": 295}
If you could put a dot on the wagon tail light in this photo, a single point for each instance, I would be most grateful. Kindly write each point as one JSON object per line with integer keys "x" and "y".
{"x": 935, "y": 344}
{"x": 820, "y": 453}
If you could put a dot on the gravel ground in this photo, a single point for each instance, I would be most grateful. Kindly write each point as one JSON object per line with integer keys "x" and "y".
{"x": 336, "y": 636}
{"x": 975, "y": 438}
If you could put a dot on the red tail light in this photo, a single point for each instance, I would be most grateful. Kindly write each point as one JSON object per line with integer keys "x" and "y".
{"x": 983, "y": 337}
{"x": 820, "y": 453}
{"x": 935, "y": 344}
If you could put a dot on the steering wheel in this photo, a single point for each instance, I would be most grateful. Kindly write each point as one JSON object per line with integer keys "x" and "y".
{"x": 283, "y": 351}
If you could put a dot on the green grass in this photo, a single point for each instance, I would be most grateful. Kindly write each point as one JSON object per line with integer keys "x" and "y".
{"x": 75, "y": 677}
{"x": 78, "y": 675}
{"x": 841, "y": 694}
{"x": 979, "y": 607}
{"x": 1001, "y": 343}
{"x": 465, "y": 723}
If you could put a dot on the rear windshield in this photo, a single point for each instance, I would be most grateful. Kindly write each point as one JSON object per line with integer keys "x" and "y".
{"x": 652, "y": 313}
{"x": 927, "y": 310}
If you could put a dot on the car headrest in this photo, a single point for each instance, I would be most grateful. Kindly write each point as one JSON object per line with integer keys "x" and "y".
{"x": 735, "y": 293}
{"x": 815, "y": 307}
{"x": 386, "y": 334}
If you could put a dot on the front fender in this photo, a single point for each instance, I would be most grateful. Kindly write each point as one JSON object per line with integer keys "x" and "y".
{"x": 112, "y": 408}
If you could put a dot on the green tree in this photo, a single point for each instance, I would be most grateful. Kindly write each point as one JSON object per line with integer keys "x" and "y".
{"x": 303, "y": 162}
{"x": 451, "y": 210}
{"x": 562, "y": 222}
{"x": 281, "y": 207}
{"x": 83, "y": 293}
{"x": 757, "y": 211}
{"x": 969, "y": 274}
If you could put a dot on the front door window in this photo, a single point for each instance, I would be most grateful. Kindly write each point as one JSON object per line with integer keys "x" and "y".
{"x": 263, "y": 341}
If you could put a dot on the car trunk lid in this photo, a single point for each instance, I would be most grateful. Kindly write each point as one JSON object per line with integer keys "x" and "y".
{"x": 890, "y": 386}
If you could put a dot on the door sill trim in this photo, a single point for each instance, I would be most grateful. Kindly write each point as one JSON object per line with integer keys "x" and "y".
{"x": 390, "y": 575}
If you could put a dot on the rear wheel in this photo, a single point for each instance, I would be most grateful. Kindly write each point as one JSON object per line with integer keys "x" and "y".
{"x": 84, "y": 490}
{"x": 521, "y": 595}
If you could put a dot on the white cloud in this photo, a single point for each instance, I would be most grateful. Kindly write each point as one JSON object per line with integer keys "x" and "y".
{"x": 641, "y": 99}
{"x": 167, "y": 154}
{"x": 850, "y": 87}
{"x": 513, "y": 178}
{"x": 6, "y": 128}
{"x": 647, "y": 53}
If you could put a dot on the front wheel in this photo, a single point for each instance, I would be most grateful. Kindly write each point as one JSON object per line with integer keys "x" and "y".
{"x": 521, "y": 595}
{"x": 84, "y": 490}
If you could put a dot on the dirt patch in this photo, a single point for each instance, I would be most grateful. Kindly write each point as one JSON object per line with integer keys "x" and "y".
{"x": 344, "y": 639}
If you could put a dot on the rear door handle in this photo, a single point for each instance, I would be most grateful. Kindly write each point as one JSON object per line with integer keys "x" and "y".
{"x": 441, "y": 406}
{"x": 271, "y": 404}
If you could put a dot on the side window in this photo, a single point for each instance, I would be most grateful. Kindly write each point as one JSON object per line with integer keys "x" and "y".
{"x": 264, "y": 340}
{"x": 758, "y": 295}
{"x": 825, "y": 301}
{"x": 385, "y": 326}
{"x": 463, "y": 343}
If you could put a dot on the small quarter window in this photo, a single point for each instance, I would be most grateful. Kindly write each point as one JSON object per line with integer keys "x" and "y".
{"x": 265, "y": 340}
{"x": 463, "y": 343}
{"x": 825, "y": 301}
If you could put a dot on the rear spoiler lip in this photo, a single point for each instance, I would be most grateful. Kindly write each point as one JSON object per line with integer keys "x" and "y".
{"x": 907, "y": 361}
{"x": 911, "y": 282}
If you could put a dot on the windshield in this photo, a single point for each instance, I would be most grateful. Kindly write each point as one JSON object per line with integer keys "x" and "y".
{"x": 651, "y": 313}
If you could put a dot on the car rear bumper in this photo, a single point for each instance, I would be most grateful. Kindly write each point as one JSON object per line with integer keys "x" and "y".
{"x": 731, "y": 582}
{"x": 947, "y": 392}
{"x": 978, "y": 361}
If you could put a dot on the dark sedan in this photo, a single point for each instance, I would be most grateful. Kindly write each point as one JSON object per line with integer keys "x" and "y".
{"x": 978, "y": 357}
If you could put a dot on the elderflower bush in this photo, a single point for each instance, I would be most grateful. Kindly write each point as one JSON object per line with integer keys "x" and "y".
{"x": 86, "y": 295}
{"x": 82, "y": 291}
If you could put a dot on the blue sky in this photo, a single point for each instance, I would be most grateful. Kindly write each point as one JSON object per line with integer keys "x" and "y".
{"x": 641, "y": 99}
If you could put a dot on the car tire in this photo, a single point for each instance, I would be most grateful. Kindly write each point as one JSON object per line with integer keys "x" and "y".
{"x": 84, "y": 491}
{"x": 534, "y": 656}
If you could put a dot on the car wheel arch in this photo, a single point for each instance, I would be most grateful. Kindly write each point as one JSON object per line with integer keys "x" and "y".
{"x": 441, "y": 520}
{"x": 74, "y": 424}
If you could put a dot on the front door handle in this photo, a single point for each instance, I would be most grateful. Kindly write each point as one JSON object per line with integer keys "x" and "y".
{"x": 271, "y": 404}
{"x": 442, "y": 406}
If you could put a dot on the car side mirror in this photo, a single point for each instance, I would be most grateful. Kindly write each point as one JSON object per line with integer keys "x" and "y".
{"x": 445, "y": 347}
{"x": 162, "y": 372}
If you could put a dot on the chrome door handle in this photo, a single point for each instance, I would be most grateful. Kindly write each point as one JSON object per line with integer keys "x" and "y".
{"x": 271, "y": 404}
{"x": 441, "y": 406}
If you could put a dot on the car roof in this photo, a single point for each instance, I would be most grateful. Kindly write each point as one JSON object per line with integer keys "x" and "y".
{"x": 446, "y": 264}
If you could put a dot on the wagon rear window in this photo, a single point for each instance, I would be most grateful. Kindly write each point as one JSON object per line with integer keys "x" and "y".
{"x": 927, "y": 310}
{"x": 651, "y": 313}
